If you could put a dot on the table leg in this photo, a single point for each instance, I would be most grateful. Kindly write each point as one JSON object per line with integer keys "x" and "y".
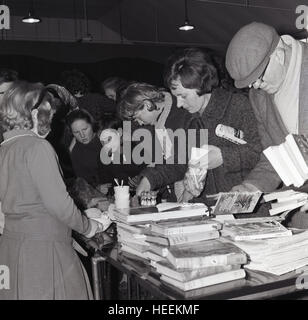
{"x": 97, "y": 279}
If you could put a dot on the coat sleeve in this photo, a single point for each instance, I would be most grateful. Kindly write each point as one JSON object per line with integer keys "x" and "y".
{"x": 164, "y": 174}
{"x": 263, "y": 175}
{"x": 238, "y": 158}
{"x": 44, "y": 170}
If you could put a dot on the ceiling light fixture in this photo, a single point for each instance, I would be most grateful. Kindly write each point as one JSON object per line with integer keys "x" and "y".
{"x": 31, "y": 17}
{"x": 186, "y": 26}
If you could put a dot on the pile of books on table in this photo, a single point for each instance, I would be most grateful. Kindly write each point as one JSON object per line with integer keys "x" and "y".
{"x": 201, "y": 264}
{"x": 189, "y": 255}
{"x": 285, "y": 201}
{"x": 277, "y": 256}
{"x": 133, "y": 223}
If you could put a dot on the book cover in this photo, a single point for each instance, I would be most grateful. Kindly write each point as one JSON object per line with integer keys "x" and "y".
{"x": 255, "y": 230}
{"x": 236, "y": 202}
{"x": 206, "y": 253}
{"x": 206, "y": 281}
{"x": 181, "y": 227}
{"x": 167, "y": 269}
{"x": 174, "y": 240}
{"x": 160, "y": 250}
{"x": 287, "y": 205}
{"x": 204, "y": 291}
{"x": 142, "y": 215}
{"x": 273, "y": 156}
{"x": 302, "y": 145}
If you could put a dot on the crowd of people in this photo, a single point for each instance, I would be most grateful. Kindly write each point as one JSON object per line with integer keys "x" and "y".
{"x": 143, "y": 135}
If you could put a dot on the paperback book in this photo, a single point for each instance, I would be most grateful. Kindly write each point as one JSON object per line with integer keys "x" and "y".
{"x": 167, "y": 269}
{"x": 236, "y": 202}
{"x": 239, "y": 230}
{"x": 216, "y": 252}
{"x": 206, "y": 281}
{"x": 167, "y": 228}
{"x": 173, "y": 240}
{"x": 290, "y": 159}
{"x": 143, "y": 215}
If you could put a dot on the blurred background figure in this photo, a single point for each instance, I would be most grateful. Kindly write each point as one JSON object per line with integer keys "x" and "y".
{"x": 112, "y": 86}
{"x": 85, "y": 147}
{"x": 80, "y": 86}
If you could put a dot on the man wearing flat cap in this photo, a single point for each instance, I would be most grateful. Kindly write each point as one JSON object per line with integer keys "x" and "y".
{"x": 276, "y": 69}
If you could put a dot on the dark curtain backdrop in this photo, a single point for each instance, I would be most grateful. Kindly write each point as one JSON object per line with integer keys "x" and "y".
{"x": 36, "y": 69}
{"x": 44, "y": 61}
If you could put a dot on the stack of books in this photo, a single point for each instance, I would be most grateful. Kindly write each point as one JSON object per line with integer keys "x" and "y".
{"x": 133, "y": 223}
{"x": 163, "y": 235}
{"x": 132, "y": 240}
{"x": 285, "y": 201}
{"x": 290, "y": 159}
{"x": 201, "y": 264}
{"x": 277, "y": 256}
{"x": 161, "y": 212}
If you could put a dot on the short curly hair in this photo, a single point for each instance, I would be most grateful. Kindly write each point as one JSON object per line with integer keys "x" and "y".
{"x": 20, "y": 100}
{"x": 194, "y": 68}
{"x": 133, "y": 97}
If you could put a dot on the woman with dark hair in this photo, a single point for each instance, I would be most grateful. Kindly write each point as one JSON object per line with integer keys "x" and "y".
{"x": 85, "y": 147}
{"x": 36, "y": 244}
{"x": 193, "y": 80}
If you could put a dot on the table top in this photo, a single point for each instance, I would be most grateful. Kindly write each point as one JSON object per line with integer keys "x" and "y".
{"x": 256, "y": 285}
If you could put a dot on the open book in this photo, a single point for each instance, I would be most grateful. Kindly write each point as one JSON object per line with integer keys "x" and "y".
{"x": 290, "y": 159}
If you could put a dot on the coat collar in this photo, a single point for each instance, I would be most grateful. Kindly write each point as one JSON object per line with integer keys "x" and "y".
{"x": 217, "y": 106}
{"x": 17, "y": 132}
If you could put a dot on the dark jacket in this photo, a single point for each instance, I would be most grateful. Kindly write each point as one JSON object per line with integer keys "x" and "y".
{"x": 234, "y": 110}
{"x": 230, "y": 109}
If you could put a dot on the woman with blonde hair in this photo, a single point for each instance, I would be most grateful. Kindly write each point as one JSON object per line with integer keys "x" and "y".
{"x": 36, "y": 244}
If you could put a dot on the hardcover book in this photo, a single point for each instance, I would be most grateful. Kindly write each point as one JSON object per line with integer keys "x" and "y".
{"x": 167, "y": 269}
{"x": 206, "y": 281}
{"x": 216, "y": 252}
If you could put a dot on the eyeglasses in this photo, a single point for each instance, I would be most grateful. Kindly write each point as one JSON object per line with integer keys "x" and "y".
{"x": 260, "y": 79}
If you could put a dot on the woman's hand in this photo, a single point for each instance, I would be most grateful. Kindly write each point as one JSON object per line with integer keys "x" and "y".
{"x": 194, "y": 181}
{"x": 244, "y": 187}
{"x": 144, "y": 185}
{"x": 213, "y": 159}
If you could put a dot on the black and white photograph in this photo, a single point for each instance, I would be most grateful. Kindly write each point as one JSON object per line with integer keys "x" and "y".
{"x": 143, "y": 144}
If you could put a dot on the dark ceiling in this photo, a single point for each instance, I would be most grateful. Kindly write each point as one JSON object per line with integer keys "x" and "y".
{"x": 157, "y": 21}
